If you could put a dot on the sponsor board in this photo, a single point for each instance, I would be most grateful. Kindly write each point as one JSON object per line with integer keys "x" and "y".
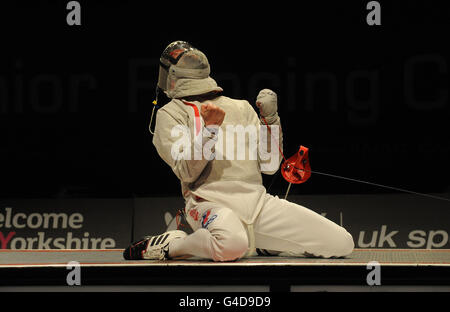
{"x": 375, "y": 221}
{"x": 65, "y": 224}
{"x": 385, "y": 221}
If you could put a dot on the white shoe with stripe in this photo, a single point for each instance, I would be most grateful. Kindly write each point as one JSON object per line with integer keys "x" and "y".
{"x": 152, "y": 247}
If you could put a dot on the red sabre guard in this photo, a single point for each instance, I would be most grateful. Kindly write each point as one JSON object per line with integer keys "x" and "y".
{"x": 296, "y": 169}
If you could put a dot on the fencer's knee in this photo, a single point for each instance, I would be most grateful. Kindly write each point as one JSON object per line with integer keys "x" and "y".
{"x": 230, "y": 247}
{"x": 339, "y": 244}
{"x": 344, "y": 244}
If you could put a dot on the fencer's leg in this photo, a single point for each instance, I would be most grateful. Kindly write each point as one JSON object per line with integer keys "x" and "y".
{"x": 288, "y": 227}
{"x": 218, "y": 235}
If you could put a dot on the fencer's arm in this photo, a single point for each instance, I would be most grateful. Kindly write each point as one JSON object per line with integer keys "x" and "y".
{"x": 267, "y": 103}
{"x": 275, "y": 121}
{"x": 187, "y": 169}
{"x": 271, "y": 138}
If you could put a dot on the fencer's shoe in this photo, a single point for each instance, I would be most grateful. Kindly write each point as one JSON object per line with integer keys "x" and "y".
{"x": 152, "y": 247}
{"x": 266, "y": 253}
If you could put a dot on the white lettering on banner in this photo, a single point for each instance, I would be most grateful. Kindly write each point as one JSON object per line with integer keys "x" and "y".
{"x": 420, "y": 239}
{"x": 15, "y": 220}
{"x": 75, "y": 218}
{"x": 432, "y": 244}
{"x": 42, "y": 240}
{"x": 40, "y": 220}
{"x": 34, "y": 221}
{"x": 416, "y": 239}
{"x": 388, "y": 238}
{"x": 372, "y": 242}
{"x": 18, "y": 240}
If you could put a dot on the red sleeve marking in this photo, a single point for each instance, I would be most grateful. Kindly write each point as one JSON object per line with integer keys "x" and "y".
{"x": 197, "y": 117}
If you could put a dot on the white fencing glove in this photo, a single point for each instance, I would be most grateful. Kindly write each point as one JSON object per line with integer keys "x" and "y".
{"x": 267, "y": 104}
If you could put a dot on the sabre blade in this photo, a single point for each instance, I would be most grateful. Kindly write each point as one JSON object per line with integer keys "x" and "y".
{"x": 287, "y": 191}
{"x": 379, "y": 185}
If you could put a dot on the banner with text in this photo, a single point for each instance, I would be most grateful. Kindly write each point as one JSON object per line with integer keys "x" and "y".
{"x": 375, "y": 221}
{"x": 65, "y": 223}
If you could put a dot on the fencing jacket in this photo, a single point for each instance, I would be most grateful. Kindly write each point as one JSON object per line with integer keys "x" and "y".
{"x": 228, "y": 179}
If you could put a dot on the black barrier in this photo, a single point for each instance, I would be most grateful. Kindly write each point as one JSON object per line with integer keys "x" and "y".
{"x": 375, "y": 221}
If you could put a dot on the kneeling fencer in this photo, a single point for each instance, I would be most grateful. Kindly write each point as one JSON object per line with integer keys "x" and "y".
{"x": 218, "y": 147}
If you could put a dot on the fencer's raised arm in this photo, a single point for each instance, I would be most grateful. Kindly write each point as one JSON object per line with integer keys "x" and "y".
{"x": 267, "y": 103}
{"x": 171, "y": 143}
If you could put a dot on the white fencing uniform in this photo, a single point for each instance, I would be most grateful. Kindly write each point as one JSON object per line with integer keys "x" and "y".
{"x": 232, "y": 192}
{"x": 226, "y": 203}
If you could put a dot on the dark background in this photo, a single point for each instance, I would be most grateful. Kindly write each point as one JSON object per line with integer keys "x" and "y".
{"x": 371, "y": 102}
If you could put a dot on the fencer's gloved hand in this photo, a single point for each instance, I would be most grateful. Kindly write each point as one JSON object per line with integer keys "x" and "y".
{"x": 267, "y": 104}
{"x": 212, "y": 114}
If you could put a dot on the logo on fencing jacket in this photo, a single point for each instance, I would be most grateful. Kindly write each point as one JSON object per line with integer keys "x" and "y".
{"x": 207, "y": 219}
